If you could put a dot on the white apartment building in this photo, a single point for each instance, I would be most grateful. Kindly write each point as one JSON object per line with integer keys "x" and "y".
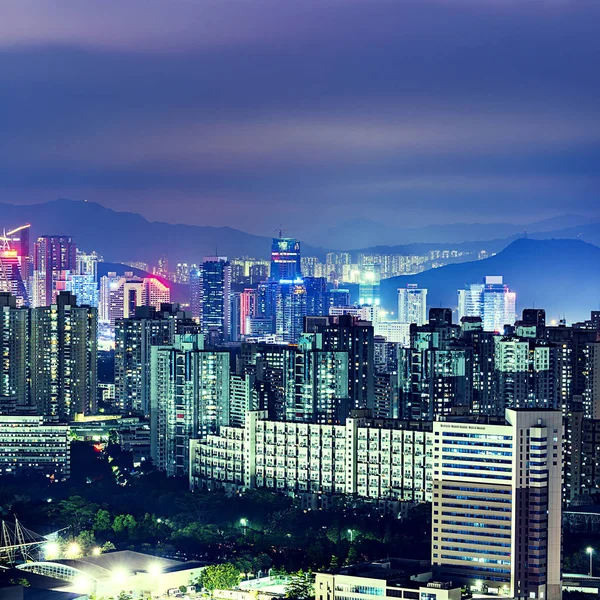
{"x": 496, "y": 522}
{"x": 29, "y": 445}
{"x": 382, "y": 460}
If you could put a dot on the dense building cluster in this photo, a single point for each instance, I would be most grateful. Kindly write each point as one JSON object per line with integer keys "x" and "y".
{"x": 274, "y": 377}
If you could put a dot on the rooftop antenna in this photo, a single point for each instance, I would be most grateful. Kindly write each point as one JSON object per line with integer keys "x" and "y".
{"x": 279, "y": 231}
{"x": 525, "y": 234}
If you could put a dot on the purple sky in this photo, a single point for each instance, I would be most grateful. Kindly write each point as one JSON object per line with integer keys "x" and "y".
{"x": 254, "y": 114}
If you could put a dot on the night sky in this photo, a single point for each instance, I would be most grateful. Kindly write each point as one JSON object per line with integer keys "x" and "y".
{"x": 254, "y": 114}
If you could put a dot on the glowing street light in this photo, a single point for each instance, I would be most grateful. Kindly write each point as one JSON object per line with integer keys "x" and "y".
{"x": 73, "y": 550}
{"x": 51, "y": 550}
{"x": 590, "y": 551}
{"x": 97, "y": 551}
{"x": 244, "y": 524}
{"x": 351, "y": 534}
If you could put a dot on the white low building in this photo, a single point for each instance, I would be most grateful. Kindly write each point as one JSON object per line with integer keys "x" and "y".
{"x": 375, "y": 459}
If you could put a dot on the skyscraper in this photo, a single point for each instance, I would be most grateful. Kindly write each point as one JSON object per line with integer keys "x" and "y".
{"x": 290, "y": 310}
{"x": 189, "y": 391}
{"x": 499, "y": 305}
{"x": 196, "y": 292}
{"x": 53, "y": 254}
{"x": 134, "y": 337}
{"x": 216, "y": 307}
{"x": 285, "y": 259}
{"x": 11, "y": 280}
{"x": 64, "y": 358}
{"x": 496, "y": 523}
{"x": 526, "y": 373}
{"x": 412, "y": 304}
{"x": 347, "y": 334}
{"x": 493, "y": 301}
{"x": 120, "y": 295}
{"x": 369, "y": 285}
{"x": 14, "y": 349}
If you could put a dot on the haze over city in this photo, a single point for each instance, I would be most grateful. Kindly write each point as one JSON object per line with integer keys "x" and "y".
{"x": 299, "y": 300}
{"x": 256, "y": 114}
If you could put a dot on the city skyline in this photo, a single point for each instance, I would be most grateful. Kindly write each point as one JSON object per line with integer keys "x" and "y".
{"x": 404, "y": 113}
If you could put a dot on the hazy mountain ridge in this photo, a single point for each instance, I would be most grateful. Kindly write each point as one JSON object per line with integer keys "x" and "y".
{"x": 124, "y": 236}
{"x": 363, "y": 233}
{"x": 560, "y": 275}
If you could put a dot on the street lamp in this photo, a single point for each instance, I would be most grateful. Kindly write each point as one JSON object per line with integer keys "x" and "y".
{"x": 590, "y": 551}
{"x": 351, "y": 533}
{"x": 244, "y": 524}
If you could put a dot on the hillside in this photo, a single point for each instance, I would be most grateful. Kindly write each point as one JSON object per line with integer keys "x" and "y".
{"x": 363, "y": 233}
{"x": 123, "y": 236}
{"x": 562, "y": 276}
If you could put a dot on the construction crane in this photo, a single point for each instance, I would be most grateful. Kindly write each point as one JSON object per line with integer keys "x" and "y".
{"x": 6, "y": 239}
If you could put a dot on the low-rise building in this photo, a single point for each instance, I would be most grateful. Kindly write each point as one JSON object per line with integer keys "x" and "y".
{"x": 375, "y": 459}
{"x": 30, "y": 444}
{"x": 380, "y": 586}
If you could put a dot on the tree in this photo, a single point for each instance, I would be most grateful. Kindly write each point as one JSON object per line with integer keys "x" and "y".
{"x": 77, "y": 512}
{"x": 301, "y": 585}
{"x": 86, "y": 541}
{"x": 124, "y": 524}
{"x": 219, "y": 577}
{"x": 102, "y": 521}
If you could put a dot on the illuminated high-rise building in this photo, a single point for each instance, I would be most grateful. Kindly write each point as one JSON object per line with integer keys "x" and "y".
{"x": 470, "y": 301}
{"x": 347, "y": 334}
{"x": 15, "y": 263}
{"x": 290, "y": 310}
{"x": 368, "y": 288}
{"x": 64, "y": 358}
{"x": 14, "y": 349}
{"x": 134, "y": 336}
{"x": 11, "y": 280}
{"x": 120, "y": 295}
{"x": 53, "y": 254}
{"x": 526, "y": 373}
{"x": 497, "y": 523}
{"x": 412, "y": 304}
{"x": 189, "y": 393}
{"x": 196, "y": 292}
{"x": 493, "y": 301}
{"x": 216, "y": 301}
{"x": 285, "y": 260}
{"x": 248, "y": 309}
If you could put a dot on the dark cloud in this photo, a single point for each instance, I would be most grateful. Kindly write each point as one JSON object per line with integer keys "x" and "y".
{"x": 252, "y": 112}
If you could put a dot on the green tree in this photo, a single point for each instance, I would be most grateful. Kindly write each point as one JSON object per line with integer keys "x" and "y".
{"x": 102, "y": 521}
{"x": 301, "y": 585}
{"x": 77, "y": 512}
{"x": 219, "y": 577}
{"x": 124, "y": 524}
{"x": 86, "y": 541}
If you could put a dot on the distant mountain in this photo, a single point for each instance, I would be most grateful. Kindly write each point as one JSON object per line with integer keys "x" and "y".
{"x": 362, "y": 233}
{"x": 561, "y": 276}
{"x": 123, "y": 236}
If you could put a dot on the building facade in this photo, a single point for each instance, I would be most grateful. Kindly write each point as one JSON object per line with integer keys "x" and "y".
{"x": 29, "y": 445}
{"x": 64, "y": 357}
{"x": 374, "y": 459}
{"x": 496, "y": 522}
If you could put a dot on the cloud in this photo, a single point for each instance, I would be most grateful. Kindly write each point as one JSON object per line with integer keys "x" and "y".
{"x": 243, "y": 110}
